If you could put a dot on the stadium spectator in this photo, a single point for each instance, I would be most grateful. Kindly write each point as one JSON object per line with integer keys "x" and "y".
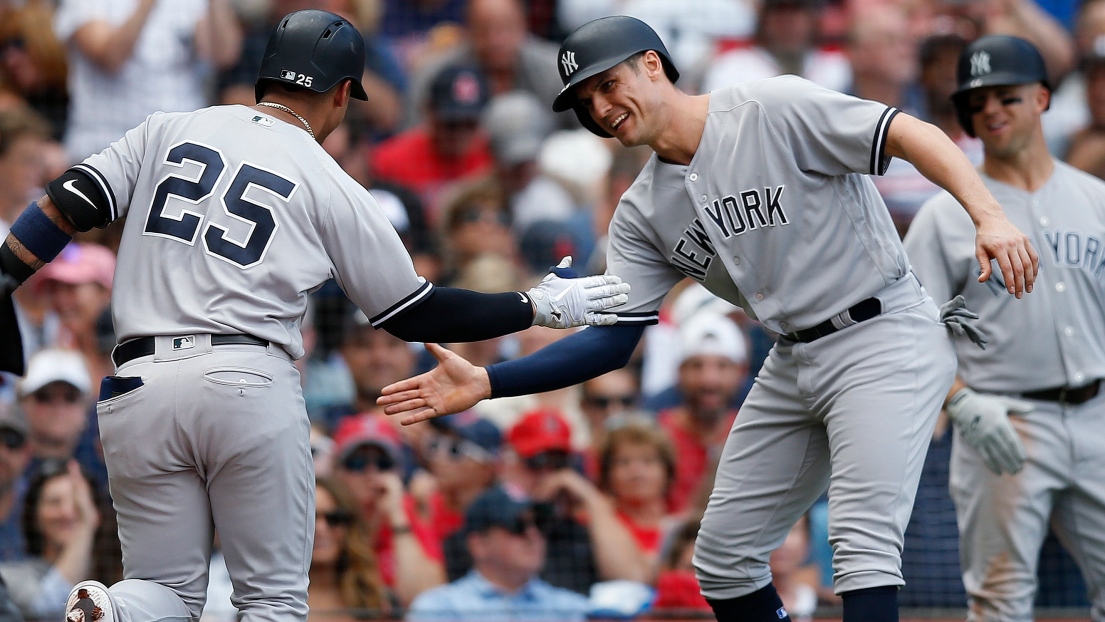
{"x": 508, "y": 551}
{"x": 322, "y": 451}
{"x": 462, "y": 454}
{"x": 517, "y": 125}
{"x": 636, "y": 470}
{"x": 345, "y": 577}
{"x": 447, "y": 147}
{"x": 489, "y": 272}
{"x": 476, "y": 221}
{"x": 406, "y": 548}
{"x": 789, "y": 573}
{"x": 605, "y": 401}
{"x": 56, "y": 397}
{"x": 23, "y": 136}
{"x": 676, "y": 585}
{"x": 498, "y": 44}
{"x": 417, "y": 30}
{"x": 713, "y": 367}
{"x": 786, "y": 42}
{"x": 32, "y": 62}
{"x": 15, "y": 455}
{"x": 129, "y": 58}
{"x": 78, "y": 285}
{"x": 65, "y": 544}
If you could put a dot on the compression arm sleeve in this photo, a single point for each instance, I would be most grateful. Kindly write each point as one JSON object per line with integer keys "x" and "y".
{"x": 578, "y": 357}
{"x": 451, "y": 315}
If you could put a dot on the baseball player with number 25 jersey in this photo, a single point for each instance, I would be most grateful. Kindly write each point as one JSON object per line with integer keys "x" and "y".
{"x": 235, "y": 214}
{"x": 1029, "y": 415}
{"x": 760, "y": 192}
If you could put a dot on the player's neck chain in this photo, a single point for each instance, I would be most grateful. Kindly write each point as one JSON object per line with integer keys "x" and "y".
{"x": 291, "y": 112}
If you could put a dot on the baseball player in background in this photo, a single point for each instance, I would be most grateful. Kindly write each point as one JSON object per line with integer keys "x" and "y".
{"x": 1029, "y": 417}
{"x": 235, "y": 214}
{"x": 760, "y": 192}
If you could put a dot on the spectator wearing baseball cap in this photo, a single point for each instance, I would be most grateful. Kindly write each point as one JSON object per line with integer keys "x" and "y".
{"x": 587, "y": 543}
{"x": 56, "y": 398}
{"x": 713, "y": 367}
{"x": 462, "y": 455}
{"x": 508, "y": 551}
{"x": 447, "y": 147}
{"x": 77, "y": 285}
{"x": 367, "y": 449}
{"x": 15, "y": 455}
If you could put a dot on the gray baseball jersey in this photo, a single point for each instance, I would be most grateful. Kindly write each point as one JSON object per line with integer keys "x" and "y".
{"x": 1054, "y": 337}
{"x": 233, "y": 217}
{"x": 254, "y": 225}
{"x": 775, "y": 213}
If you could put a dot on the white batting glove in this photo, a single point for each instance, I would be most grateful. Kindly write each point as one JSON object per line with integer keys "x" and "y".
{"x": 983, "y": 421}
{"x": 569, "y": 302}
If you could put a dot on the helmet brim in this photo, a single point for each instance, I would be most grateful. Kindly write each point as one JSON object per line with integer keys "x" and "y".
{"x": 998, "y": 78}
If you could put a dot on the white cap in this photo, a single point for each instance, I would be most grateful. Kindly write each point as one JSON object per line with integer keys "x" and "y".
{"x": 696, "y": 299}
{"x": 711, "y": 333}
{"x": 54, "y": 365}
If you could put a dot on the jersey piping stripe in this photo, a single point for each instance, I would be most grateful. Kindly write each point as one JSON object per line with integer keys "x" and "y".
{"x": 878, "y": 146}
{"x": 647, "y": 317}
{"x": 104, "y": 187}
{"x": 398, "y": 307}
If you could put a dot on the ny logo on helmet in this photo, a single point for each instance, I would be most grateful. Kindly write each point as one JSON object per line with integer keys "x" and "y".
{"x": 568, "y": 62}
{"x": 980, "y": 63}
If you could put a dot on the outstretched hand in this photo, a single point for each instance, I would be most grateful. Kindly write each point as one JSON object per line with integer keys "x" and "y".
{"x": 453, "y": 386}
{"x": 1000, "y": 240}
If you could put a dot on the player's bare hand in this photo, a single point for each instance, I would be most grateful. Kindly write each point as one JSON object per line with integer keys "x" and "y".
{"x": 563, "y": 300}
{"x": 999, "y": 240}
{"x": 453, "y": 386}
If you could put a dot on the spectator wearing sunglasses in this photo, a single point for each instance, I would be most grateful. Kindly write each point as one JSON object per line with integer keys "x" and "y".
{"x": 15, "y": 455}
{"x": 367, "y": 450}
{"x": 462, "y": 455}
{"x": 345, "y": 575}
{"x": 475, "y": 223}
{"x": 605, "y": 401}
{"x": 712, "y": 369}
{"x": 56, "y": 398}
{"x": 587, "y": 542}
{"x": 508, "y": 551}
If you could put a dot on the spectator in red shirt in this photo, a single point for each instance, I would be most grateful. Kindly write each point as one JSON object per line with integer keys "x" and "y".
{"x": 676, "y": 586}
{"x": 448, "y": 147}
{"x": 713, "y": 367}
{"x": 463, "y": 456}
{"x": 367, "y": 449}
{"x": 636, "y": 469}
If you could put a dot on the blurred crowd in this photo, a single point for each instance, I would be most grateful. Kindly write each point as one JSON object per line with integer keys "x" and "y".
{"x": 573, "y": 497}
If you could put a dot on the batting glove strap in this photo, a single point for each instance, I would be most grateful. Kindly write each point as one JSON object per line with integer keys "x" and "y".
{"x": 565, "y": 303}
{"x": 983, "y": 423}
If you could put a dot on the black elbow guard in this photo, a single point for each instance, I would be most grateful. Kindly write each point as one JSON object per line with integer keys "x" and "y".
{"x": 81, "y": 199}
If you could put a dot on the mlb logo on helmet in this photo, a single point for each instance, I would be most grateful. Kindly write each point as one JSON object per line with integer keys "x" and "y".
{"x": 287, "y": 74}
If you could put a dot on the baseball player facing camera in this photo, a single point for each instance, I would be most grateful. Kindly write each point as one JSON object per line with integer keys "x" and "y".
{"x": 1028, "y": 411}
{"x": 760, "y": 192}
{"x": 235, "y": 214}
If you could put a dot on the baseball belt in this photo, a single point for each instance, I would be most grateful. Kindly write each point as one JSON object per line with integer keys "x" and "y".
{"x": 859, "y": 312}
{"x": 145, "y": 346}
{"x": 1066, "y": 395}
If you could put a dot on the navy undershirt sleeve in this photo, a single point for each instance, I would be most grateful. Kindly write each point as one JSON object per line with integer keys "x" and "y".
{"x": 452, "y": 315}
{"x": 572, "y": 360}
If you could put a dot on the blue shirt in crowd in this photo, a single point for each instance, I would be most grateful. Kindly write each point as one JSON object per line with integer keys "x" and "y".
{"x": 473, "y": 598}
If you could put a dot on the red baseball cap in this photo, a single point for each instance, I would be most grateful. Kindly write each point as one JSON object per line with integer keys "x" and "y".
{"x": 365, "y": 429}
{"x": 80, "y": 263}
{"x": 539, "y": 431}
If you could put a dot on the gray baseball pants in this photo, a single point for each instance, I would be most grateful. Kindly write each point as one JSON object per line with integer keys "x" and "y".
{"x": 216, "y": 438}
{"x": 854, "y": 412}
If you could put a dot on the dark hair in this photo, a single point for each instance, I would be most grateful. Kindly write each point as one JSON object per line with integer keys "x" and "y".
{"x": 684, "y": 536}
{"x": 634, "y": 61}
{"x": 107, "y": 565}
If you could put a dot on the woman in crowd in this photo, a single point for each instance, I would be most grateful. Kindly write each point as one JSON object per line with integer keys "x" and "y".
{"x": 65, "y": 542}
{"x": 345, "y": 578}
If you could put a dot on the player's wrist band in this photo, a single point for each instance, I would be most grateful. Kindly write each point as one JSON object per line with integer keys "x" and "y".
{"x": 39, "y": 234}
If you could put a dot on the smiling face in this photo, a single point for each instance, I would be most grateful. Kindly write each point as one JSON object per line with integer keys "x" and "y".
{"x": 627, "y": 99}
{"x": 57, "y": 511}
{"x": 1007, "y": 118}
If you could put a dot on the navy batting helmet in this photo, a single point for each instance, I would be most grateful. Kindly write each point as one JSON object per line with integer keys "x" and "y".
{"x": 314, "y": 50}
{"x": 995, "y": 60}
{"x": 597, "y": 46}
